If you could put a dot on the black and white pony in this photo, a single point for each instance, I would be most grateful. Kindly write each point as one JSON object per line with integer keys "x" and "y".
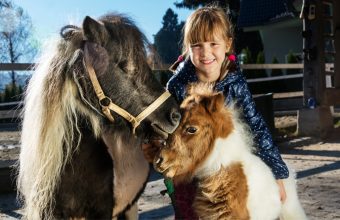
{"x": 81, "y": 154}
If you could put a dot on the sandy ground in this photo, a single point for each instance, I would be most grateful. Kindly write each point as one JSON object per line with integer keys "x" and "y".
{"x": 316, "y": 162}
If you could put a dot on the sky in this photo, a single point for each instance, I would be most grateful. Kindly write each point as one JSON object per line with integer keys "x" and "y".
{"x": 48, "y": 16}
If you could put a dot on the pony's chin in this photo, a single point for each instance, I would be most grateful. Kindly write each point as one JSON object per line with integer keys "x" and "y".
{"x": 158, "y": 130}
{"x": 167, "y": 172}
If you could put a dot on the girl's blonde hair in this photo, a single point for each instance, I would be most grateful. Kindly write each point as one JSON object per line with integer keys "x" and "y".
{"x": 203, "y": 25}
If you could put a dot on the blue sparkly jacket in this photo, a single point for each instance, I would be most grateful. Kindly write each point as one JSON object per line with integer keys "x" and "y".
{"x": 235, "y": 88}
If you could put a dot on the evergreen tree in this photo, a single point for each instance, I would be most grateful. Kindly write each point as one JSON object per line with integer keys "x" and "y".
{"x": 247, "y": 59}
{"x": 291, "y": 58}
{"x": 247, "y": 56}
{"x": 167, "y": 41}
{"x": 276, "y": 72}
{"x": 12, "y": 93}
{"x": 260, "y": 59}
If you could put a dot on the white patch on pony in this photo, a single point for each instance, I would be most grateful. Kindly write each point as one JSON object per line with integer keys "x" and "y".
{"x": 262, "y": 186}
{"x": 230, "y": 149}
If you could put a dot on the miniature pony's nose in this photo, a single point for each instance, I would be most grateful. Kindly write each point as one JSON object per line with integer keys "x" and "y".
{"x": 159, "y": 161}
{"x": 175, "y": 116}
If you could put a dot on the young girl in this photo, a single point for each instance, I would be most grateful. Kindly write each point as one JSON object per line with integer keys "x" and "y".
{"x": 207, "y": 57}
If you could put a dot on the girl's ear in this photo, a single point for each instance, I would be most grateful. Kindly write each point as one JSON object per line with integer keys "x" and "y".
{"x": 229, "y": 43}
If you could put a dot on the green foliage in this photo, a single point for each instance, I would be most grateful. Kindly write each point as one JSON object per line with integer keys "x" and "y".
{"x": 246, "y": 56}
{"x": 247, "y": 59}
{"x": 291, "y": 58}
{"x": 167, "y": 39}
{"x": 337, "y": 123}
{"x": 12, "y": 93}
{"x": 260, "y": 59}
{"x": 276, "y": 72}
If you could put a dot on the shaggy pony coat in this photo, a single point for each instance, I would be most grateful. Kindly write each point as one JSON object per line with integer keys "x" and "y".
{"x": 214, "y": 147}
{"x": 74, "y": 162}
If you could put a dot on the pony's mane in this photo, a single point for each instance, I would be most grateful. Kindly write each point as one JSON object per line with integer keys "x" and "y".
{"x": 201, "y": 89}
{"x": 50, "y": 129}
{"x": 196, "y": 91}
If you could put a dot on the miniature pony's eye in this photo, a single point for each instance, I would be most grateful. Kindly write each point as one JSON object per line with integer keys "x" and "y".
{"x": 191, "y": 130}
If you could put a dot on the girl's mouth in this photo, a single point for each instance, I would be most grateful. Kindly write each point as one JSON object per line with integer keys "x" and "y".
{"x": 207, "y": 62}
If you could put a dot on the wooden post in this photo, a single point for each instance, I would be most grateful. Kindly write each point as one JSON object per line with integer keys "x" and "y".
{"x": 316, "y": 118}
{"x": 313, "y": 44}
{"x": 336, "y": 25}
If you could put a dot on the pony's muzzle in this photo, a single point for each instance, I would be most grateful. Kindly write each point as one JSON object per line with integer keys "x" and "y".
{"x": 175, "y": 117}
{"x": 157, "y": 163}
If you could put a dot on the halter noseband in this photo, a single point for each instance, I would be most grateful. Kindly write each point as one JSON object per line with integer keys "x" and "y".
{"x": 107, "y": 104}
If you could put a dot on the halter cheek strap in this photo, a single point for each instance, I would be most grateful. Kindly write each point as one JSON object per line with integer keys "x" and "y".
{"x": 107, "y": 105}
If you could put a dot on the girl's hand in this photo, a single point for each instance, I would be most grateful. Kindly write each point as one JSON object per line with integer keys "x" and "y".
{"x": 282, "y": 190}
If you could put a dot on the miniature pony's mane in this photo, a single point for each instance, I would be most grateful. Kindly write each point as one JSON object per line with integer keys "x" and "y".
{"x": 196, "y": 91}
{"x": 240, "y": 138}
{"x": 50, "y": 129}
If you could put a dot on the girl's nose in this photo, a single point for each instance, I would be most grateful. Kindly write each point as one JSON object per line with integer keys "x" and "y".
{"x": 205, "y": 49}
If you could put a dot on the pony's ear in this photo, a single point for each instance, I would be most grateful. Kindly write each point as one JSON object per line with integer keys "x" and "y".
{"x": 213, "y": 103}
{"x": 94, "y": 31}
{"x": 96, "y": 56}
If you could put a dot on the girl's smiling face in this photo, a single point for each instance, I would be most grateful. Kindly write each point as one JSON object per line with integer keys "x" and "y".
{"x": 208, "y": 58}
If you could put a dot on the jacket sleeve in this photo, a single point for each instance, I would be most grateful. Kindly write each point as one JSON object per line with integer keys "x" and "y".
{"x": 266, "y": 149}
{"x": 175, "y": 85}
{"x": 175, "y": 88}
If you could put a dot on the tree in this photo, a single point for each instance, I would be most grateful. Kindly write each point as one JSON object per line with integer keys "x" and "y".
{"x": 11, "y": 93}
{"x": 247, "y": 59}
{"x": 260, "y": 59}
{"x": 168, "y": 38}
{"x": 291, "y": 58}
{"x": 16, "y": 41}
{"x": 276, "y": 72}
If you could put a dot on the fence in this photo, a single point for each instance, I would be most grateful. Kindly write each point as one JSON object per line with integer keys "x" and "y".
{"x": 287, "y": 102}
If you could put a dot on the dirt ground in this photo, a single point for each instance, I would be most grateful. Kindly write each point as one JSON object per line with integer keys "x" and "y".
{"x": 315, "y": 160}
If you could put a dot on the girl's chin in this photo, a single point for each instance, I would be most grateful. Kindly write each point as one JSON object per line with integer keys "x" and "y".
{"x": 208, "y": 78}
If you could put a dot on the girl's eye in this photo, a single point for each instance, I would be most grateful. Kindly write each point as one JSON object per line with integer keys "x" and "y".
{"x": 214, "y": 44}
{"x": 194, "y": 45}
{"x": 191, "y": 130}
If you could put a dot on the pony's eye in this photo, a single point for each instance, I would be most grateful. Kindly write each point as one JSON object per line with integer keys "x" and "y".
{"x": 123, "y": 65}
{"x": 191, "y": 130}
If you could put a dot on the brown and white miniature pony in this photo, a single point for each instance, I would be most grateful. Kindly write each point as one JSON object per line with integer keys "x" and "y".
{"x": 213, "y": 146}
{"x": 79, "y": 158}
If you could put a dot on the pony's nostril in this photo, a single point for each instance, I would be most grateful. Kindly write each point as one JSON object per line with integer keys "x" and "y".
{"x": 175, "y": 116}
{"x": 159, "y": 160}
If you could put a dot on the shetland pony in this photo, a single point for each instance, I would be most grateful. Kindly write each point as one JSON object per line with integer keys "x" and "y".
{"x": 213, "y": 146}
{"x": 79, "y": 158}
